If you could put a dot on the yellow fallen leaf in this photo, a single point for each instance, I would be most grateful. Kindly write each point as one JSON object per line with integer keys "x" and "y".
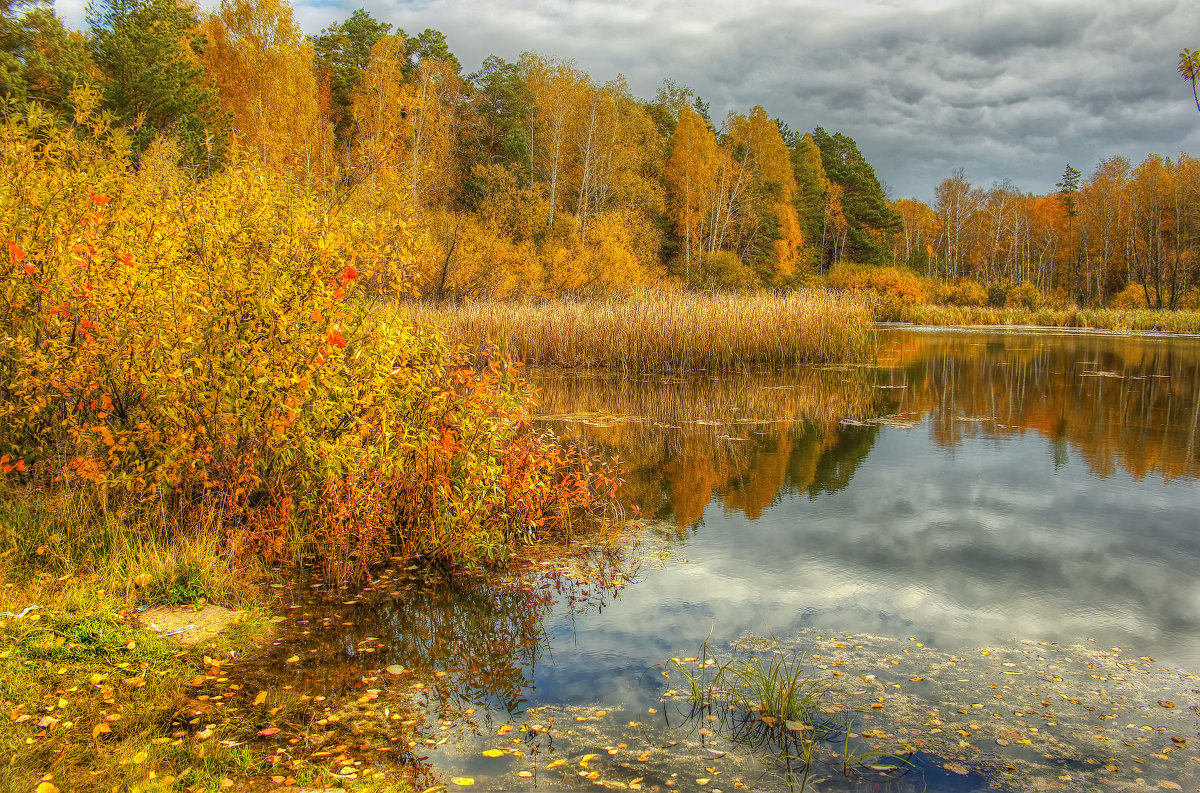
{"x": 295, "y": 659}
{"x": 261, "y": 698}
{"x": 46, "y": 787}
{"x": 525, "y": 774}
{"x": 464, "y": 781}
{"x": 139, "y": 758}
{"x": 493, "y": 752}
{"x": 556, "y": 764}
{"x": 100, "y": 729}
{"x": 587, "y": 758}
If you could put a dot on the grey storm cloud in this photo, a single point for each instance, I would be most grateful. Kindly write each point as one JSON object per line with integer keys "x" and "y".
{"x": 1011, "y": 89}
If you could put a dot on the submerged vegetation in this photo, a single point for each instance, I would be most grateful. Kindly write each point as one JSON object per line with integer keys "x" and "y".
{"x": 673, "y": 332}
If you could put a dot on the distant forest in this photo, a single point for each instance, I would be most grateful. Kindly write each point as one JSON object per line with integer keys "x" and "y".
{"x": 528, "y": 178}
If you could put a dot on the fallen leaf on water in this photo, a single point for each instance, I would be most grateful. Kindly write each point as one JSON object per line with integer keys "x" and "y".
{"x": 956, "y": 768}
{"x": 268, "y": 732}
{"x": 394, "y": 669}
{"x": 464, "y": 781}
{"x": 1168, "y": 785}
{"x": 46, "y": 787}
{"x": 261, "y": 698}
{"x": 587, "y": 758}
{"x": 493, "y": 753}
{"x": 293, "y": 660}
{"x": 1166, "y": 704}
{"x": 99, "y": 729}
{"x": 702, "y": 781}
{"x": 525, "y": 774}
{"x": 556, "y": 764}
{"x": 504, "y": 729}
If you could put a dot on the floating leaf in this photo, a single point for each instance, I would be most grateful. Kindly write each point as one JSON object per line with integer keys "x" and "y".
{"x": 394, "y": 669}
{"x": 525, "y": 774}
{"x": 1166, "y": 704}
{"x": 100, "y": 729}
{"x": 261, "y": 698}
{"x": 295, "y": 659}
{"x": 556, "y": 764}
{"x": 268, "y": 732}
{"x": 463, "y": 781}
{"x": 493, "y": 752}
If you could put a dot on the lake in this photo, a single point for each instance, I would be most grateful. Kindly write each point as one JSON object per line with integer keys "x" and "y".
{"x": 986, "y": 544}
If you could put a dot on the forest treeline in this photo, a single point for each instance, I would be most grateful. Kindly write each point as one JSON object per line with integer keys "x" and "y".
{"x": 530, "y": 178}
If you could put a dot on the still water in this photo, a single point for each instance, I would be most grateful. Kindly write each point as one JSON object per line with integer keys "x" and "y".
{"x": 988, "y": 544}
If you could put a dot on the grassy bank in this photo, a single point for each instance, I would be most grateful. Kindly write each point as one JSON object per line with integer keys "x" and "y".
{"x": 91, "y": 702}
{"x": 668, "y": 332}
{"x": 1139, "y": 320}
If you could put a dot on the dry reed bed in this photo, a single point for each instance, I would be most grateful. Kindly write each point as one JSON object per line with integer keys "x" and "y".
{"x": 668, "y": 332}
{"x": 1135, "y": 320}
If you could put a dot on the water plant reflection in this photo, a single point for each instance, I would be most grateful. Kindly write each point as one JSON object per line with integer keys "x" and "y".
{"x": 745, "y": 437}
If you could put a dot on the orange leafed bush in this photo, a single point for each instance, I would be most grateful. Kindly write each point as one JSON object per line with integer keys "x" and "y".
{"x": 227, "y": 345}
{"x": 896, "y": 283}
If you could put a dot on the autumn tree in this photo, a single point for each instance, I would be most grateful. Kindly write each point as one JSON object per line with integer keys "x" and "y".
{"x": 263, "y": 70}
{"x": 1189, "y": 69}
{"x": 772, "y": 238}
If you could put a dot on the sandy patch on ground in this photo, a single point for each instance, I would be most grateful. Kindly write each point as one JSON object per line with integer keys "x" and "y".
{"x": 205, "y": 622}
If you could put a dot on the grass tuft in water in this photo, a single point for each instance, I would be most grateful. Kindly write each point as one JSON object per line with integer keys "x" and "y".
{"x": 779, "y": 706}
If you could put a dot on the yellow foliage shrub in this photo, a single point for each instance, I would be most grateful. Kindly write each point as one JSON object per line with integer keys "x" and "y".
{"x": 899, "y": 283}
{"x": 207, "y": 345}
{"x": 963, "y": 292}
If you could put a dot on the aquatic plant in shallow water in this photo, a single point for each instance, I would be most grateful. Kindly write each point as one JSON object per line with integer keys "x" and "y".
{"x": 779, "y": 706}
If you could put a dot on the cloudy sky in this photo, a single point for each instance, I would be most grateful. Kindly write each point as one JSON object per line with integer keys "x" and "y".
{"x": 1004, "y": 89}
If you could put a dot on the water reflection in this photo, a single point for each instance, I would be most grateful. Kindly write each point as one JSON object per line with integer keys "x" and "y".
{"x": 1119, "y": 404}
{"x": 745, "y": 439}
{"x": 971, "y": 491}
{"x": 1127, "y": 404}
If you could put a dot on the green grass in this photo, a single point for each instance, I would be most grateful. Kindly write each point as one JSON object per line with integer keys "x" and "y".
{"x": 654, "y": 332}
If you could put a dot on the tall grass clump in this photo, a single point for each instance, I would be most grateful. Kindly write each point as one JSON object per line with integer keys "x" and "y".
{"x": 668, "y": 331}
{"x": 223, "y": 350}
